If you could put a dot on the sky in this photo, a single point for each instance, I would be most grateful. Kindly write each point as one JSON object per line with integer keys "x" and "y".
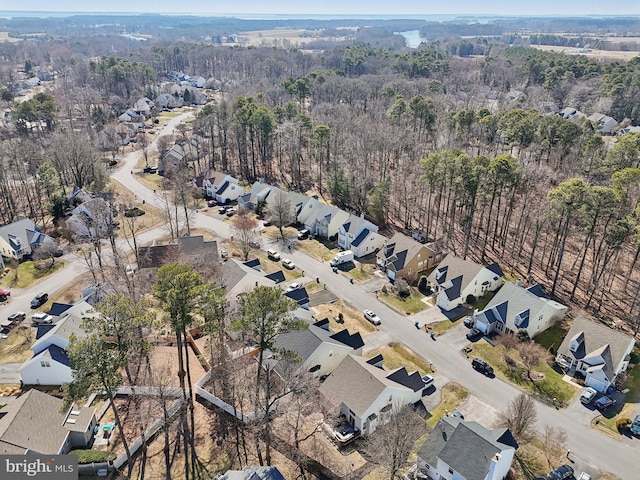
{"x": 339, "y": 7}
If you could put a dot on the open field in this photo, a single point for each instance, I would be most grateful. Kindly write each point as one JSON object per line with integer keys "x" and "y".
{"x": 598, "y": 54}
{"x": 4, "y": 37}
{"x": 282, "y": 37}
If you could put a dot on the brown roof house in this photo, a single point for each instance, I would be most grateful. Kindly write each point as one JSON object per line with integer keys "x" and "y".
{"x": 193, "y": 249}
{"x": 402, "y": 256}
{"x": 596, "y": 351}
{"x": 366, "y": 393}
{"x": 33, "y": 423}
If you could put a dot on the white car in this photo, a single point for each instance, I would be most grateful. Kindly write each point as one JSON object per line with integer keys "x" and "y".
{"x": 372, "y": 317}
{"x": 286, "y": 263}
{"x": 428, "y": 380}
{"x": 293, "y": 286}
{"x": 41, "y": 317}
{"x": 587, "y": 395}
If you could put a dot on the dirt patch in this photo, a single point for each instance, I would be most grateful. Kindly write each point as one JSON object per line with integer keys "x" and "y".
{"x": 353, "y": 320}
{"x": 615, "y": 55}
{"x": 164, "y": 363}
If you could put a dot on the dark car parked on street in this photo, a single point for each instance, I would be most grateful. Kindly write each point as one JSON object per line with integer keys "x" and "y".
{"x": 473, "y": 334}
{"x": 561, "y": 473}
{"x": 604, "y": 402}
{"x": 482, "y": 366}
{"x": 39, "y": 300}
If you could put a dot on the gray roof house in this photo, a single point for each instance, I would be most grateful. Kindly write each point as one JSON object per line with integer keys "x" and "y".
{"x": 238, "y": 279}
{"x": 402, "y": 256}
{"x": 318, "y": 348}
{"x": 193, "y": 248}
{"x": 258, "y": 191}
{"x": 366, "y": 394}
{"x": 455, "y": 279}
{"x": 253, "y": 473}
{"x": 33, "y": 423}
{"x": 360, "y": 236}
{"x": 596, "y": 351}
{"x": 603, "y": 122}
{"x": 50, "y": 364}
{"x": 21, "y": 238}
{"x": 515, "y": 308}
{"x": 321, "y": 219}
{"x": 466, "y": 451}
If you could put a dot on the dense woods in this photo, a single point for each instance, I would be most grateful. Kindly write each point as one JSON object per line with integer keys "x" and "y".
{"x": 454, "y": 138}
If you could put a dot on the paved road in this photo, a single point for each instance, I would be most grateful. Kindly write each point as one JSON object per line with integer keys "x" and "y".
{"x": 609, "y": 454}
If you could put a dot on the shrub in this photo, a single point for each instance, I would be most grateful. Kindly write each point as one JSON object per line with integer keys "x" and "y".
{"x": 422, "y": 284}
{"x": 403, "y": 288}
{"x": 471, "y": 299}
{"x": 133, "y": 212}
{"x": 384, "y": 289}
{"x": 93, "y": 456}
{"x": 623, "y": 423}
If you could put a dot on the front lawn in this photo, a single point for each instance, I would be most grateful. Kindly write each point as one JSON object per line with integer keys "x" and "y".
{"x": 30, "y": 272}
{"x": 606, "y": 422}
{"x": 406, "y": 306}
{"x": 551, "y": 387}
{"x": 453, "y": 395}
{"x": 552, "y": 338}
{"x": 398, "y": 355}
{"x": 317, "y": 249}
{"x": 353, "y": 320}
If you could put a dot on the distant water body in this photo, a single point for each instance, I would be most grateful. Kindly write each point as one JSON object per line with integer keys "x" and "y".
{"x": 412, "y": 38}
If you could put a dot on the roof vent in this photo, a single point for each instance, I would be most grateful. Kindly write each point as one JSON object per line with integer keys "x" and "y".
{"x": 71, "y": 421}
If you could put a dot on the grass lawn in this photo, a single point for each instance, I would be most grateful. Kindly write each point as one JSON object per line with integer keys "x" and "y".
{"x": 317, "y": 249}
{"x": 606, "y": 422}
{"x": 412, "y": 304}
{"x": 360, "y": 272}
{"x": 16, "y": 348}
{"x": 441, "y": 327}
{"x": 353, "y": 320}
{"x": 151, "y": 180}
{"x": 398, "y": 355}
{"x": 27, "y": 273}
{"x": 453, "y": 394}
{"x": 551, "y": 387}
{"x": 552, "y": 338}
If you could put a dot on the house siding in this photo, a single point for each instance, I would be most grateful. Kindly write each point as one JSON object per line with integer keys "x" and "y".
{"x": 33, "y": 373}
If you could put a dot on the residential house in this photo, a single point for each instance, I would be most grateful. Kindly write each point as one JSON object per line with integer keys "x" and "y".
{"x": 300, "y": 296}
{"x": 253, "y": 473}
{"x": 192, "y": 249}
{"x": 596, "y": 351}
{"x": 515, "y": 308}
{"x": 569, "y": 113}
{"x": 169, "y": 101}
{"x": 625, "y": 130}
{"x": 455, "y": 279}
{"x": 222, "y": 187}
{"x": 402, "y": 256}
{"x": 283, "y": 206}
{"x": 360, "y": 236}
{"x": 91, "y": 219}
{"x": 20, "y": 238}
{"x": 366, "y": 394}
{"x": 238, "y": 279}
{"x": 322, "y": 220}
{"x": 144, "y": 106}
{"x": 34, "y": 423}
{"x": 50, "y": 363}
{"x": 318, "y": 348}
{"x": 604, "y": 123}
{"x": 258, "y": 192}
{"x": 459, "y": 450}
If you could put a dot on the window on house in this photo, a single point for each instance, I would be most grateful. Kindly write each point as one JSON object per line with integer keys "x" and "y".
{"x": 44, "y": 363}
{"x": 451, "y": 470}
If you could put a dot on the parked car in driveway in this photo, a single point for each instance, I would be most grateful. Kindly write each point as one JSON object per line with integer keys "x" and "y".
{"x": 635, "y": 425}
{"x": 17, "y": 317}
{"x": 222, "y": 210}
{"x": 293, "y": 286}
{"x": 482, "y": 366}
{"x": 4, "y": 292}
{"x": 561, "y": 473}
{"x": 469, "y": 322}
{"x": 303, "y": 234}
{"x": 39, "y": 300}
{"x": 254, "y": 244}
{"x": 372, "y": 317}
{"x": 345, "y": 432}
{"x": 428, "y": 380}
{"x": 587, "y": 395}
{"x": 211, "y": 203}
{"x": 473, "y": 334}
{"x": 604, "y": 402}
{"x": 41, "y": 317}
{"x": 4, "y": 333}
{"x": 273, "y": 255}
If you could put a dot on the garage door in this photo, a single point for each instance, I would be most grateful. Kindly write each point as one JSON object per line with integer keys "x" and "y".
{"x": 595, "y": 383}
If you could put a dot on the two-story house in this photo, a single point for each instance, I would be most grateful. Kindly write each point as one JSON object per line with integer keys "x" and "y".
{"x": 20, "y": 238}
{"x": 402, "y": 256}
{"x": 360, "y": 236}
{"x": 366, "y": 394}
{"x": 322, "y": 220}
{"x": 258, "y": 192}
{"x": 459, "y": 450}
{"x": 318, "y": 349}
{"x": 222, "y": 187}
{"x": 515, "y": 308}
{"x": 33, "y": 423}
{"x": 596, "y": 351}
{"x": 50, "y": 363}
{"x": 455, "y": 279}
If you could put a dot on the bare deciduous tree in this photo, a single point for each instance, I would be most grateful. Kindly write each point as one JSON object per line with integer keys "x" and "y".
{"x": 532, "y": 354}
{"x": 553, "y": 440}
{"x": 520, "y": 417}
{"x": 280, "y": 211}
{"x": 243, "y": 227}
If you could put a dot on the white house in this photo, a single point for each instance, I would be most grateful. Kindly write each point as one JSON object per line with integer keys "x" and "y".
{"x": 515, "y": 308}
{"x": 604, "y": 123}
{"x": 20, "y": 239}
{"x": 91, "y": 219}
{"x": 50, "y": 364}
{"x": 459, "y": 450}
{"x": 596, "y": 351}
{"x": 318, "y": 348}
{"x": 360, "y": 236}
{"x": 223, "y": 187}
{"x": 258, "y": 192}
{"x": 455, "y": 279}
{"x": 366, "y": 394}
{"x": 322, "y": 220}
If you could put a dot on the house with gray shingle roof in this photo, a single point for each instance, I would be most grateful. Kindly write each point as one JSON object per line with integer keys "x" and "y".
{"x": 33, "y": 423}
{"x": 515, "y": 308}
{"x": 596, "y": 351}
{"x": 253, "y": 473}
{"x": 466, "y": 451}
{"x": 318, "y": 348}
{"x": 259, "y": 191}
{"x": 322, "y": 220}
{"x": 20, "y": 238}
{"x": 366, "y": 394}
{"x": 402, "y": 256}
{"x": 455, "y": 279}
{"x": 50, "y": 364}
{"x": 360, "y": 236}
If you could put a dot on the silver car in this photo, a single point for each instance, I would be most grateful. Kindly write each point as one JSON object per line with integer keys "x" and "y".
{"x": 372, "y": 317}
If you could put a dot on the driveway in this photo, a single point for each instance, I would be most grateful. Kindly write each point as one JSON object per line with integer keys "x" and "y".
{"x": 9, "y": 373}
